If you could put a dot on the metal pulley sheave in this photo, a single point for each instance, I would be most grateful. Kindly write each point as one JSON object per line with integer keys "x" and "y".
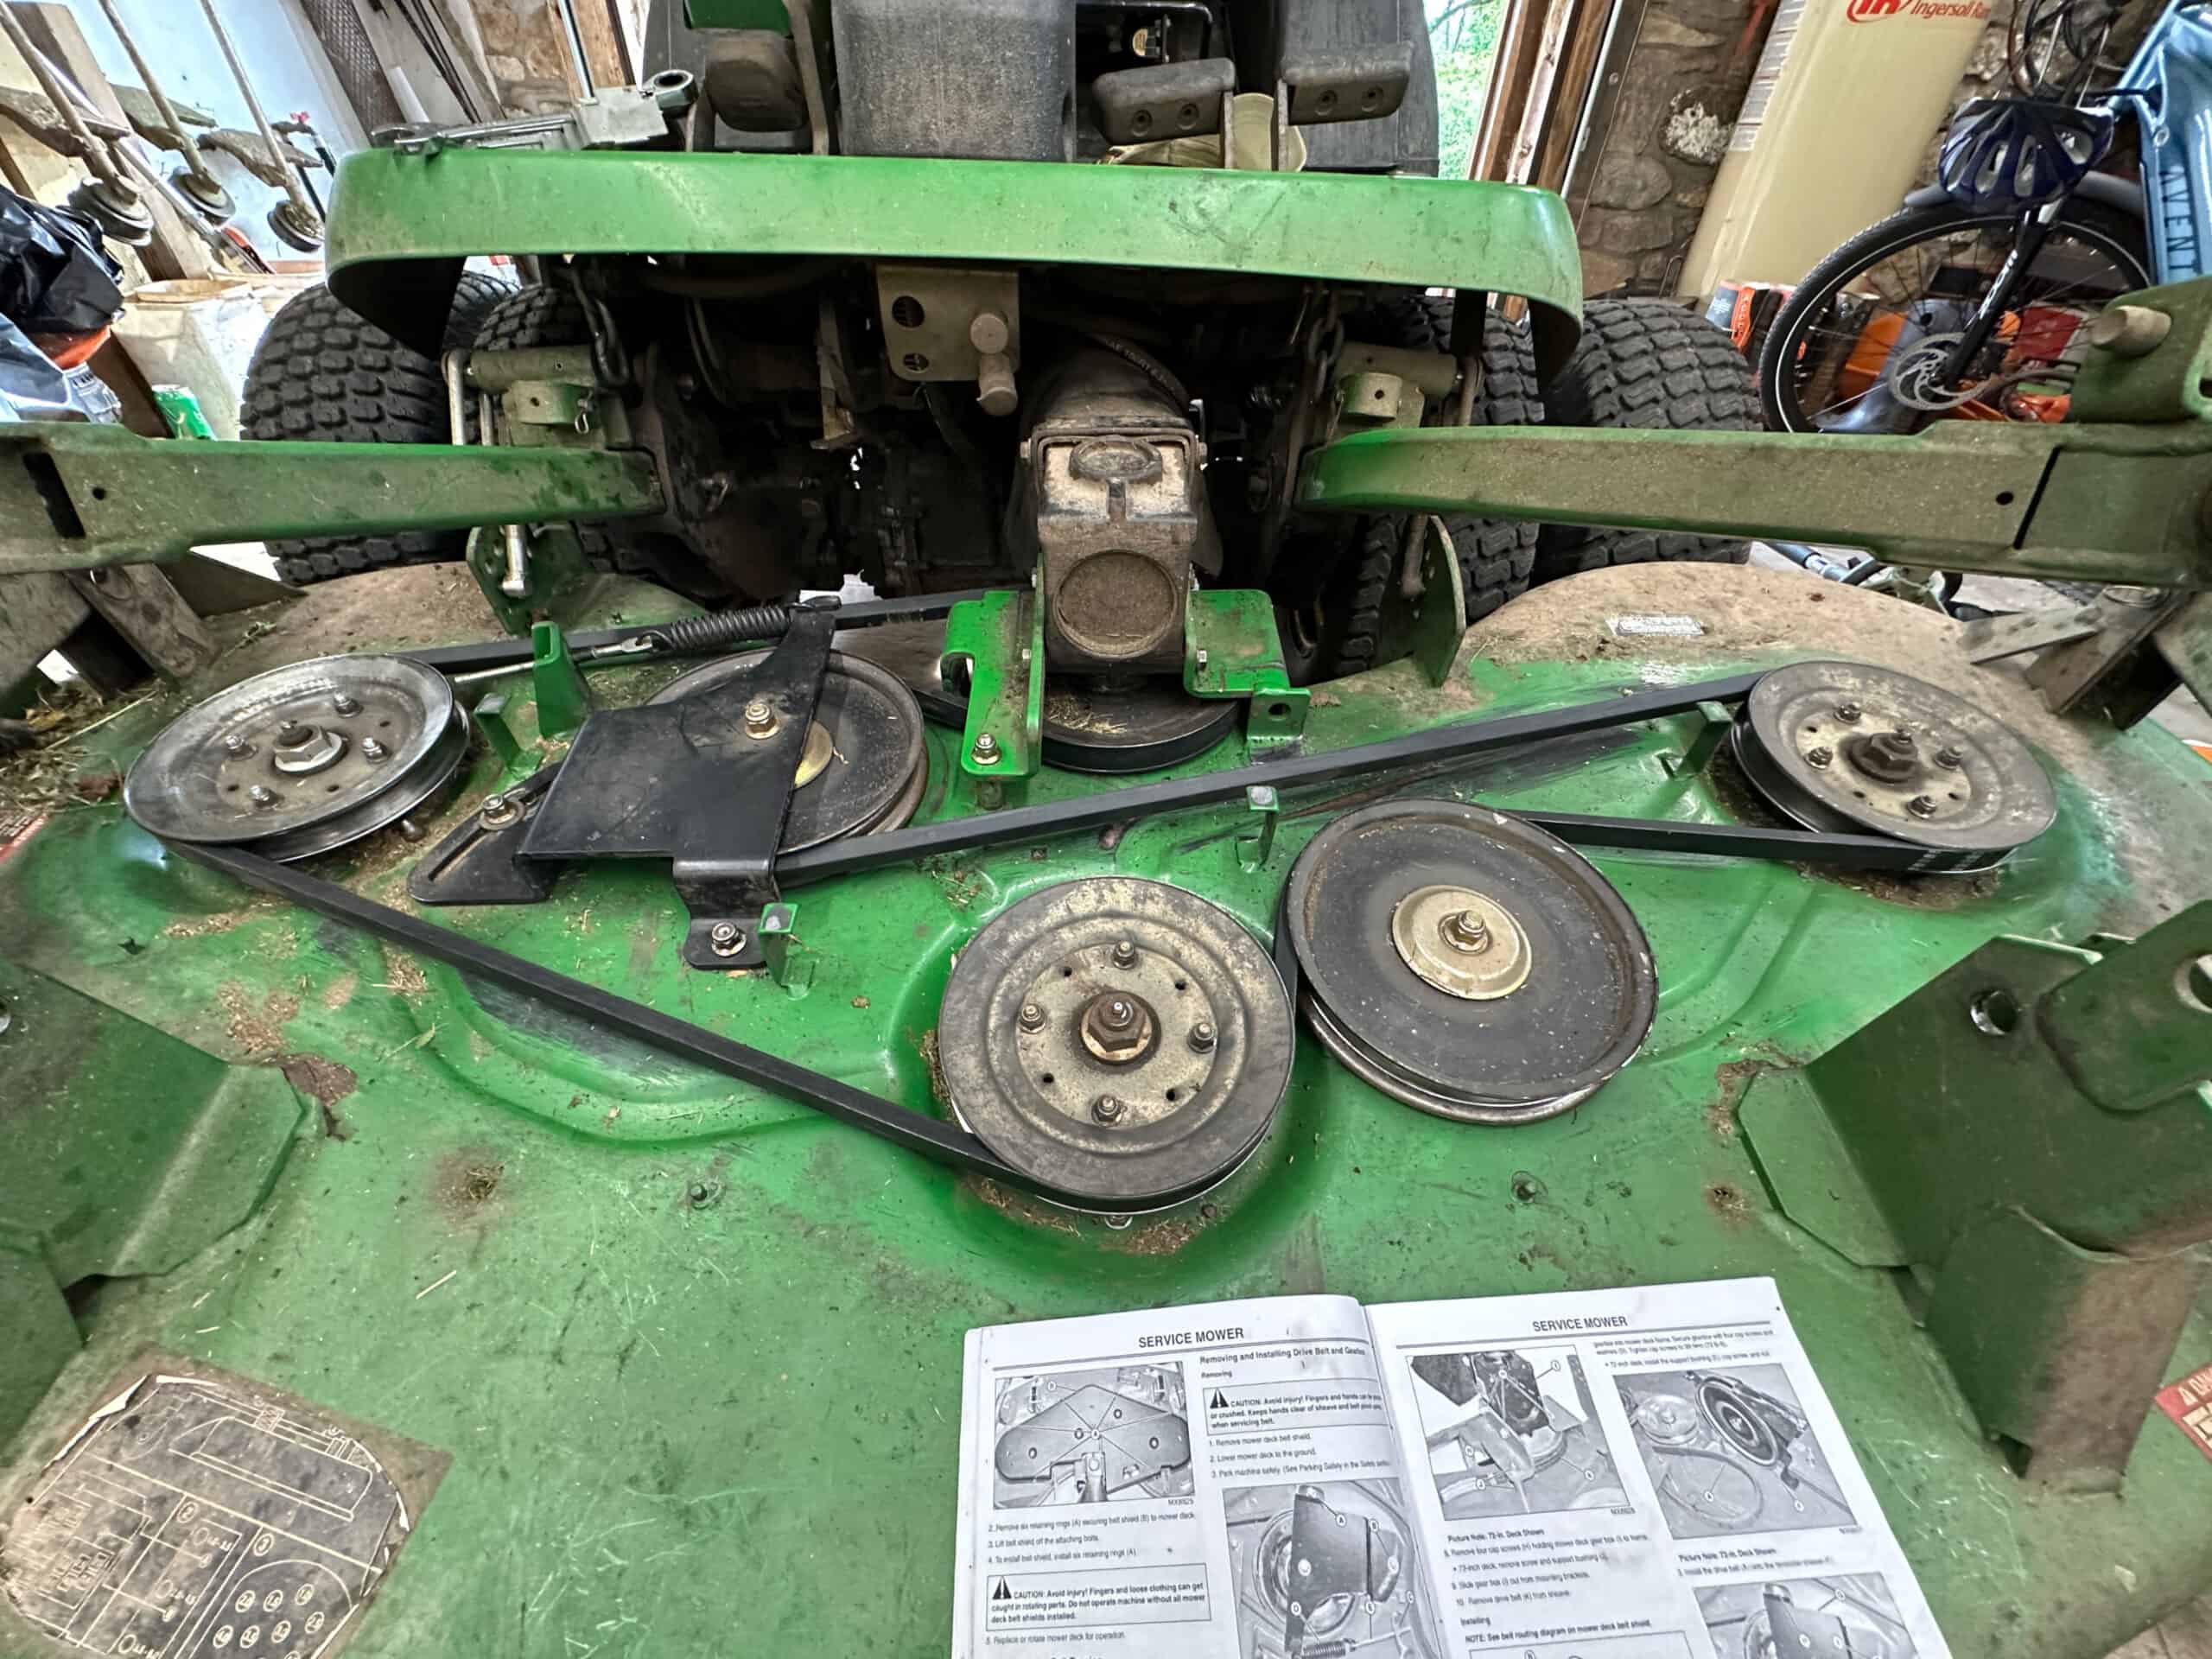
{"x": 302, "y": 760}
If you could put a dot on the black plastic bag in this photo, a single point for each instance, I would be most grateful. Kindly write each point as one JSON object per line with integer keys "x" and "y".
{"x": 55, "y": 277}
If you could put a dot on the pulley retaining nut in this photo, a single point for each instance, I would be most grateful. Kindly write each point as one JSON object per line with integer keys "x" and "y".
{"x": 345, "y": 704}
{"x": 235, "y": 746}
{"x": 1848, "y": 711}
{"x": 373, "y": 750}
{"x": 1032, "y": 1017}
{"x": 1202, "y": 1037}
{"x": 724, "y": 939}
{"x": 1107, "y": 1109}
{"x": 760, "y": 718}
{"x": 261, "y": 797}
{"x": 1125, "y": 953}
{"x": 1464, "y": 931}
{"x": 1819, "y": 757}
{"x": 1951, "y": 759}
{"x": 1921, "y": 806}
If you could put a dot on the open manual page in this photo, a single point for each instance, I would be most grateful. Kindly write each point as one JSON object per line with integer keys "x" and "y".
{"x": 1644, "y": 1473}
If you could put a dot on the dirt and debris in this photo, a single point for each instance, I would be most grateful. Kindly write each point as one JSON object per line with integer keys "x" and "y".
{"x": 340, "y": 991}
{"x": 860, "y": 1001}
{"x": 926, "y": 1046}
{"x": 325, "y": 1082}
{"x": 1727, "y": 1201}
{"x": 466, "y": 1181}
{"x": 403, "y": 974}
{"x": 258, "y": 1031}
{"x": 47, "y": 769}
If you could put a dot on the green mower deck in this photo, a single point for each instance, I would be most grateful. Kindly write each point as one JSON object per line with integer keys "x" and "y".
{"x": 690, "y": 1355}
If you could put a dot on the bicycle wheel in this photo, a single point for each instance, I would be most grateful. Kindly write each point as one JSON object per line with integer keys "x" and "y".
{"x": 1846, "y": 352}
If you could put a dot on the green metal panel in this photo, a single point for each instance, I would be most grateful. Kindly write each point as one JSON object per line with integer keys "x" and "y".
{"x": 390, "y": 209}
{"x": 697, "y": 1361}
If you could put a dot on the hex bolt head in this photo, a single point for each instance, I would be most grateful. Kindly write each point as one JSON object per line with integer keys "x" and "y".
{"x": 986, "y": 750}
{"x": 1107, "y": 1109}
{"x": 1819, "y": 757}
{"x": 1125, "y": 953}
{"x": 261, "y": 797}
{"x": 345, "y": 704}
{"x": 760, "y": 718}
{"x": 725, "y": 940}
{"x": 373, "y": 750}
{"x": 1950, "y": 758}
{"x": 1921, "y": 806}
{"x": 1032, "y": 1017}
{"x": 1848, "y": 712}
{"x": 1202, "y": 1037}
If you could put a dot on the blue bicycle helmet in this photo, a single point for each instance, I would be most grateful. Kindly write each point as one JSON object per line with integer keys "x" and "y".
{"x": 2009, "y": 153}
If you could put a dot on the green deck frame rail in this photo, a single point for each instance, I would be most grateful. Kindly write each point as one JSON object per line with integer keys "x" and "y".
{"x": 401, "y": 225}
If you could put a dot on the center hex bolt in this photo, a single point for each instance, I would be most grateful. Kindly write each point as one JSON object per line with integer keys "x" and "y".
{"x": 1107, "y": 1109}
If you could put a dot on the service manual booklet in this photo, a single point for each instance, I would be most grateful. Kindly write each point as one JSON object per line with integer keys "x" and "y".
{"x": 1646, "y": 1473}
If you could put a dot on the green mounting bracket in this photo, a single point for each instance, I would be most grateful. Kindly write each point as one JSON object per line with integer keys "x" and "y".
{"x": 1713, "y": 720}
{"x": 2028, "y": 1133}
{"x": 559, "y": 572}
{"x": 1429, "y": 615}
{"x": 1256, "y": 846}
{"x": 490, "y": 718}
{"x": 563, "y": 699}
{"x": 1231, "y": 648}
{"x": 997, "y": 644}
{"x": 794, "y": 973}
{"x": 131, "y": 1151}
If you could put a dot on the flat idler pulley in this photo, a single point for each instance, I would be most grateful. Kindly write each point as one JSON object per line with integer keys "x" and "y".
{"x": 1855, "y": 749}
{"x": 1117, "y": 1040}
{"x": 303, "y": 759}
{"x": 1465, "y": 962}
{"x": 864, "y": 767}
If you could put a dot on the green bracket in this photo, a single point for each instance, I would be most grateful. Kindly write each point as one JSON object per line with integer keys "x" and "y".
{"x": 1257, "y": 845}
{"x": 1232, "y": 649}
{"x": 795, "y": 973}
{"x": 559, "y": 574}
{"x": 2137, "y": 378}
{"x": 563, "y": 699}
{"x": 2029, "y": 1132}
{"x": 997, "y": 644}
{"x": 1713, "y": 720}
{"x": 490, "y": 718}
{"x": 1430, "y": 620}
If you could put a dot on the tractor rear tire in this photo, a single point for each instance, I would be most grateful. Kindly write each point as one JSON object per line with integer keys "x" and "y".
{"x": 1496, "y": 555}
{"x": 1646, "y": 364}
{"x": 323, "y": 374}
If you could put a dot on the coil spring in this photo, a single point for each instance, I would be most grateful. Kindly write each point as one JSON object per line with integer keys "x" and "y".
{"x": 695, "y": 634}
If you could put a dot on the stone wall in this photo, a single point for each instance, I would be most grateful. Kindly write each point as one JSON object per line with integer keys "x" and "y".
{"x": 1675, "y": 110}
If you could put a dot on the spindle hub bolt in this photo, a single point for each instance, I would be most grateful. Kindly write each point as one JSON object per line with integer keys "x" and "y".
{"x": 1949, "y": 758}
{"x": 1202, "y": 1037}
{"x": 1819, "y": 757}
{"x": 1848, "y": 711}
{"x": 1107, "y": 1109}
{"x": 1921, "y": 806}
{"x": 1032, "y": 1017}
{"x": 1125, "y": 953}
{"x": 261, "y": 796}
{"x": 235, "y": 744}
{"x": 345, "y": 704}
{"x": 373, "y": 750}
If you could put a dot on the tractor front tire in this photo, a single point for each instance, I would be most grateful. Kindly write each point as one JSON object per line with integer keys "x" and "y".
{"x": 1645, "y": 364}
{"x": 323, "y": 374}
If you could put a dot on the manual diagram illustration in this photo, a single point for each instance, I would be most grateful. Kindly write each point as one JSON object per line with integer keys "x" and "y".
{"x": 1730, "y": 1452}
{"x": 191, "y": 1519}
{"x": 1511, "y": 1432}
{"x": 1328, "y": 1567}
{"x": 1842, "y": 1613}
{"x": 1091, "y": 1437}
